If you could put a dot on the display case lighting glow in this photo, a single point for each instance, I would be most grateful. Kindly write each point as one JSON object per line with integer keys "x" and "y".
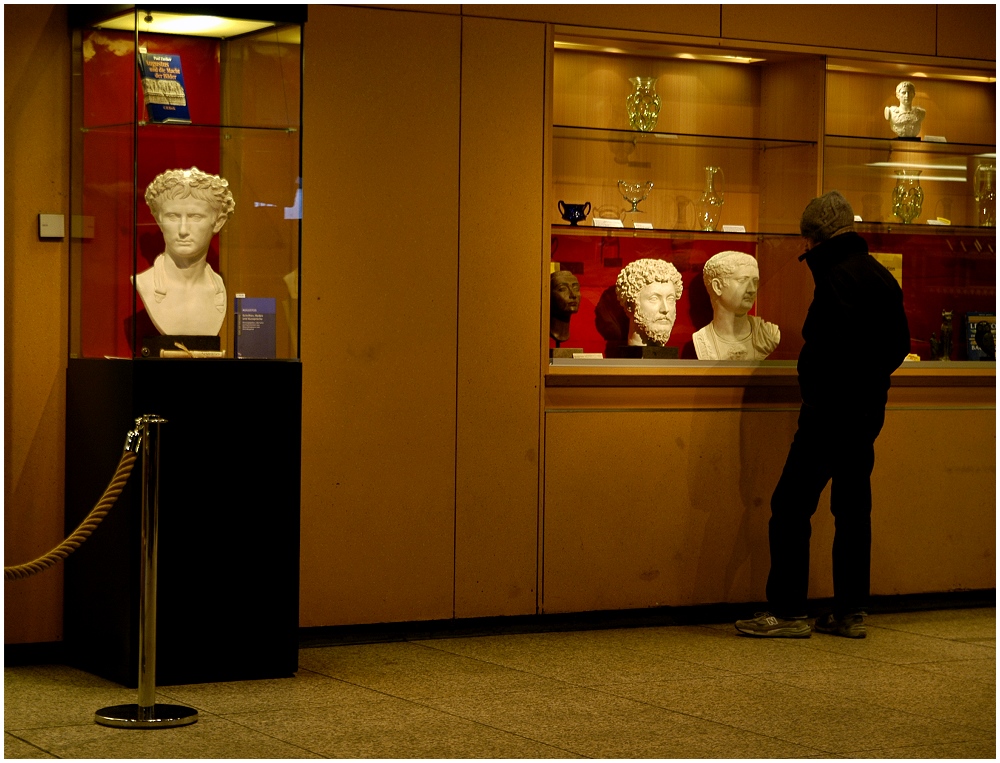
{"x": 588, "y": 47}
{"x": 912, "y": 166}
{"x": 595, "y": 48}
{"x": 723, "y": 59}
{"x": 157, "y": 22}
{"x": 936, "y": 167}
{"x": 901, "y": 71}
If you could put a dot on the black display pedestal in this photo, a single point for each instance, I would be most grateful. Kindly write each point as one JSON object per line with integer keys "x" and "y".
{"x": 228, "y": 572}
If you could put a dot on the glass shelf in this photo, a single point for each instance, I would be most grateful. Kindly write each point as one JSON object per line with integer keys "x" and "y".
{"x": 893, "y": 145}
{"x": 926, "y": 229}
{"x": 680, "y": 234}
{"x": 192, "y": 126}
{"x": 672, "y": 140}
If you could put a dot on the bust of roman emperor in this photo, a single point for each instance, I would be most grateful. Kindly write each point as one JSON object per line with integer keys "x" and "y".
{"x": 905, "y": 118}
{"x": 731, "y": 279}
{"x": 181, "y": 292}
{"x": 648, "y": 291}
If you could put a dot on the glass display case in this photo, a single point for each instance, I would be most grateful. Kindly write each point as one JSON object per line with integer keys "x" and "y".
{"x": 239, "y": 97}
{"x": 783, "y": 128}
{"x": 954, "y": 147}
{"x": 222, "y": 95}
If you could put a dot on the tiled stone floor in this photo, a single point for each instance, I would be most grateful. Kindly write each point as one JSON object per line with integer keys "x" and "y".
{"x": 922, "y": 685}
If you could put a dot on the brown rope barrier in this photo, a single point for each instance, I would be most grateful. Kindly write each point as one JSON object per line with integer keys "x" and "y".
{"x": 73, "y": 542}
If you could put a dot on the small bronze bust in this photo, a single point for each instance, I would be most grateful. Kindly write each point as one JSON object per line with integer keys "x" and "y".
{"x": 564, "y": 302}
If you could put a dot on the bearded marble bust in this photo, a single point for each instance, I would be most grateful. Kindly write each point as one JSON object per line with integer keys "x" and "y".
{"x": 648, "y": 291}
{"x": 732, "y": 279}
{"x": 182, "y": 295}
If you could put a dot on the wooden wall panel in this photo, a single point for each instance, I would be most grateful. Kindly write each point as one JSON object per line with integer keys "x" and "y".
{"x": 665, "y": 508}
{"x": 967, "y": 31}
{"x": 36, "y": 317}
{"x": 653, "y": 508}
{"x": 700, "y": 20}
{"x": 861, "y": 27}
{"x": 379, "y": 310}
{"x": 934, "y": 493}
{"x": 502, "y": 243}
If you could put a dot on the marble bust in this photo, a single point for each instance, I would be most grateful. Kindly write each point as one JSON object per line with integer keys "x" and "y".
{"x": 648, "y": 291}
{"x": 563, "y": 304}
{"x": 731, "y": 279}
{"x": 181, "y": 293}
{"x": 905, "y": 118}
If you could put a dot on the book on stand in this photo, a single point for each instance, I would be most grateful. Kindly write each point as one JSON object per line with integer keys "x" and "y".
{"x": 255, "y": 330}
{"x": 163, "y": 88}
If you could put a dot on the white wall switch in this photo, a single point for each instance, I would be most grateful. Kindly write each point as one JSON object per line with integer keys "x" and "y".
{"x": 51, "y": 226}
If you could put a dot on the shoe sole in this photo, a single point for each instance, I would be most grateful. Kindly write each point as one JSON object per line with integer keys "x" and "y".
{"x": 775, "y": 634}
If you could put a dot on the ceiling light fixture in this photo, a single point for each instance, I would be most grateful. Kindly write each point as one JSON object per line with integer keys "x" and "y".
{"x": 179, "y": 23}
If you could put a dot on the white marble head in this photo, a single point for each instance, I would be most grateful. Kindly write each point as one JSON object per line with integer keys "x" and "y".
{"x": 190, "y": 206}
{"x": 731, "y": 279}
{"x": 905, "y": 91}
{"x": 181, "y": 293}
{"x": 648, "y": 291}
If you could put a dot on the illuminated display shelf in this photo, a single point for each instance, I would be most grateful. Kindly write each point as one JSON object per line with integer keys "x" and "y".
{"x": 764, "y": 119}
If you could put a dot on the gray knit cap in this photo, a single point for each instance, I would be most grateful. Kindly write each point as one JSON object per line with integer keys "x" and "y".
{"x": 825, "y": 216}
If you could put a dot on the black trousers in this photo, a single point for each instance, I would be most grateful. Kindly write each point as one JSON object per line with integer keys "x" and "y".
{"x": 838, "y": 445}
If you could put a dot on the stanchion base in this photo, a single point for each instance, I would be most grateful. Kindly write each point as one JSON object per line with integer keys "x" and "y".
{"x": 157, "y": 717}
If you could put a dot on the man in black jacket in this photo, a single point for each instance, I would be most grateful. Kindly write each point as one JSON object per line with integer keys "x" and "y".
{"x": 856, "y": 335}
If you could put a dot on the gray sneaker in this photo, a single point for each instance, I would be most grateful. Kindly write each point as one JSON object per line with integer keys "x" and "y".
{"x": 766, "y": 625}
{"x": 848, "y": 626}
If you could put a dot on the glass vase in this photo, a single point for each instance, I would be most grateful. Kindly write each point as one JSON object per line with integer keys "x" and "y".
{"x": 985, "y": 184}
{"x": 711, "y": 201}
{"x": 643, "y": 104}
{"x": 907, "y": 196}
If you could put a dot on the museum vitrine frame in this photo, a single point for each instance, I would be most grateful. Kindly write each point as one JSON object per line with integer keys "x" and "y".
{"x": 230, "y": 443}
{"x": 242, "y": 90}
{"x": 785, "y": 125}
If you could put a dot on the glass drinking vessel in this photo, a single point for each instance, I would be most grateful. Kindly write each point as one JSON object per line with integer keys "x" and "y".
{"x": 635, "y": 192}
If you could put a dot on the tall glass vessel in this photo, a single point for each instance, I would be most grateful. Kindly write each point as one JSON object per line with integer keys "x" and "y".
{"x": 985, "y": 186}
{"x": 712, "y": 199}
{"x": 643, "y": 104}
{"x": 907, "y": 196}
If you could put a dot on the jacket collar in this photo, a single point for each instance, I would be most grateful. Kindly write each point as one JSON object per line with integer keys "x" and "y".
{"x": 834, "y": 250}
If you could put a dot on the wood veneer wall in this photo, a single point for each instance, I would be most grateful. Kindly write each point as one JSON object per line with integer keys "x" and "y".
{"x": 379, "y": 315}
{"x": 394, "y": 470}
{"x": 665, "y": 502}
{"x": 36, "y": 316}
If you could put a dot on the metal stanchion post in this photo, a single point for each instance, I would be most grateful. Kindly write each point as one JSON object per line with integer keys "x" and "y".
{"x": 147, "y": 714}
